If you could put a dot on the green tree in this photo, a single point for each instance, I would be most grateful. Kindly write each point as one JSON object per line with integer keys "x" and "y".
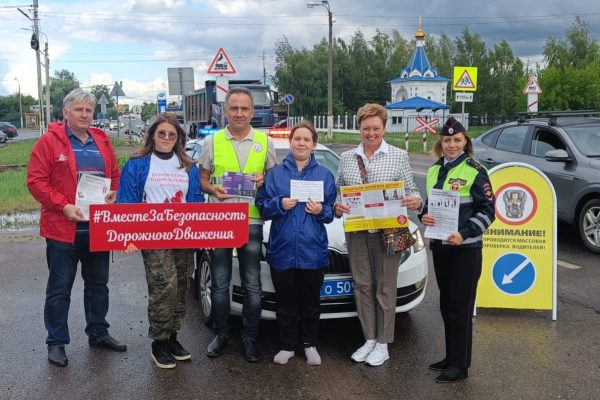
{"x": 10, "y": 110}
{"x": 60, "y": 85}
{"x": 148, "y": 111}
{"x": 505, "y": 80}
{"x": 577, "y": 49}
{"x": 298, "y": 72}
{"x": 570, "y": 80}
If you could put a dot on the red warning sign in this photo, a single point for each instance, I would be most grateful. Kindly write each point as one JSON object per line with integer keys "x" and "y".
{"x": 221, "y": 64}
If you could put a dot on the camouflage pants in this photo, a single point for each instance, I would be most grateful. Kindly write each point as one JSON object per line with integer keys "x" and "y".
{"x": 167, "y": 275}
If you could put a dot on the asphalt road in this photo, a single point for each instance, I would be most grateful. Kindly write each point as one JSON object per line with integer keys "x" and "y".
{"x": 517, "y": 354}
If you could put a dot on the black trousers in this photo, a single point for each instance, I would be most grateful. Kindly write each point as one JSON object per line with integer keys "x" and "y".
{"x": 457, "y": 271}
{"x": 298, "y": 305}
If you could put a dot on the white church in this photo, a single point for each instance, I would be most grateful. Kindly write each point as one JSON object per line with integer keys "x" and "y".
{"x": 418, "y": 92}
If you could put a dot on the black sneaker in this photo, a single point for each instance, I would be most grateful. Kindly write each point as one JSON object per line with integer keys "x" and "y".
{"x": 177, "y": 350}
{"x": 161, "y": 354}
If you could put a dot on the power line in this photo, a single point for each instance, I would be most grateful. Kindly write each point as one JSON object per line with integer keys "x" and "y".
{"x": 274, "y": 20}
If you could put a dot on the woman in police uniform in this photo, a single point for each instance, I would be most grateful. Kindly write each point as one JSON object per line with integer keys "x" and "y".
{"x": 457, "y": 260}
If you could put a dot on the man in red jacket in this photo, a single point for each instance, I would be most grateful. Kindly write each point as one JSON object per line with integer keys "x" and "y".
{"x": 57, "y": 161}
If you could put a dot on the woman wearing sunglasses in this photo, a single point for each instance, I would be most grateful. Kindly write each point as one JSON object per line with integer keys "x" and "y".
{"x": 161, "y": 172}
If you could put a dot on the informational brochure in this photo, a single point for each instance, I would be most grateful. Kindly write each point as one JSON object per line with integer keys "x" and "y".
{"x": 237, "y": 184}
{"x": 304, "y": 190}
{"x": 374, "y": 206}
{"x": 91, "y": 189}
{"x": 443, "y": 205}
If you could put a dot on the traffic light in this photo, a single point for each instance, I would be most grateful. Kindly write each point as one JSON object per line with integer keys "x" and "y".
{"x": 35, "y": 44}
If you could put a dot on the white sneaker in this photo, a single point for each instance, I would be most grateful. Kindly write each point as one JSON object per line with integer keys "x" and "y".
{"x": 312, "y": 356}
{"x": 378, "y": 356}
{"x": 283, "y": 357}
{"x": 361, "y": 354}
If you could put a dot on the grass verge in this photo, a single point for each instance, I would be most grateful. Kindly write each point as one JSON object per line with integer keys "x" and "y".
{"x": 14, "y": 196}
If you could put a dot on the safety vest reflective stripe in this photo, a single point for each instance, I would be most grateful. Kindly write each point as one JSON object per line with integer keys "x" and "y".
{"x": 226, "y": 160}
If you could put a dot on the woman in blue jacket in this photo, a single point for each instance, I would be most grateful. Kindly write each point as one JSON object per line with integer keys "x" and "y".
{"x": 297, "y": 251}
{"x": 161, "y": 172}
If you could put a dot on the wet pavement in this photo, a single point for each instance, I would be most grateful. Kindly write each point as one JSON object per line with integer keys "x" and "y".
{"x": 517, "y": 354}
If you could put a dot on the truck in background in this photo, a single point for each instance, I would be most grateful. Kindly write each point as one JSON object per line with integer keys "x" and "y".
{"x": 202, "y": 109}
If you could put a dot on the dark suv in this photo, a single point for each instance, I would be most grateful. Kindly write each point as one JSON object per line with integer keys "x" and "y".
{"x": 566, "y": 147}
{"x": 9, "y": 129}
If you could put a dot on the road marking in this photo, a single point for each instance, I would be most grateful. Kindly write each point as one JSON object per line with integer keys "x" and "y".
{"x": 567, "y": 265}
{"x": 419, "y": 173}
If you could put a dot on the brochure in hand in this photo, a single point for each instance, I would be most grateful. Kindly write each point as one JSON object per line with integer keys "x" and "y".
{"x": 239, "y": 184}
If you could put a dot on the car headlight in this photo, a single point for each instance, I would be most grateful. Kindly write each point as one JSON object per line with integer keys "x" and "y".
{"x": 419, "y": 241}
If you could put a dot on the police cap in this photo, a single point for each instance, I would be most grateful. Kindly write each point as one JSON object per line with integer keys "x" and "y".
{"x": 451, "y": 127}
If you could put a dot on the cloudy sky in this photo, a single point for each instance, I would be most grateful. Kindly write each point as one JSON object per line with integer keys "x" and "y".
{"x": 135, "y": 41}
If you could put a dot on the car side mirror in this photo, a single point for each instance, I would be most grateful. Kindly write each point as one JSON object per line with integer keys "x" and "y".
{"x": 557, "y": 155}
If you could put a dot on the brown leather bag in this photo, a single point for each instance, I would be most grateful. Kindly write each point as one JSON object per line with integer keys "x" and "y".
{"x": 395, "y": 240}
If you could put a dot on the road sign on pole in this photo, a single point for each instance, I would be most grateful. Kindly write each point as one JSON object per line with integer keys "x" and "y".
{"x": 103, "y": 103}
{"x": 532, "y": 87}
{"x": 289, "y": 99}
{"x": 222, "y": 87}
{"x": 221, "y": 64}
{"x": 116, "y": 91}
{"x": 463, "y": 97}
{"x": 465, "y": 79}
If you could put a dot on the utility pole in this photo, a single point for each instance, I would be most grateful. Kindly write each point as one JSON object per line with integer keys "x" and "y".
{"x": 20, "y": 104}
{"x": 325, "y": 3}
{"x": 48, "y": 116}
{"x": 264, "y": 70}
{"x": 36, "y": 35}
{"x": 330, "y": 76}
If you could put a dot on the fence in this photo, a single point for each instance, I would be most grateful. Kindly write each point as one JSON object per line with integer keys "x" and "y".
{"x": 395, "y": 124}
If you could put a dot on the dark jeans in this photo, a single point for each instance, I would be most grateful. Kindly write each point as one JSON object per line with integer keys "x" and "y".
{"x": 457, "y": 271}
{"x": 298, "y": 305}
{"x": 62, "y": 261}
{"x": 249, "y": 265}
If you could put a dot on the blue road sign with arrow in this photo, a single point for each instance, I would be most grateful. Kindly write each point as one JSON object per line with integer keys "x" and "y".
{"x": 513, "y": 273}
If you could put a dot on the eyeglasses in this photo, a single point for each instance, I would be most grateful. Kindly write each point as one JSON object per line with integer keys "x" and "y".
{"x": 166, "y": 135}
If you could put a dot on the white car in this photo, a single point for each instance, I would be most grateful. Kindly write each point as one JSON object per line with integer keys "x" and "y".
{"x": 337, "y": 299}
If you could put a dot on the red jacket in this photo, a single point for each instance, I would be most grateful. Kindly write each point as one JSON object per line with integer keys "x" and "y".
{"x": 52, "y": 178}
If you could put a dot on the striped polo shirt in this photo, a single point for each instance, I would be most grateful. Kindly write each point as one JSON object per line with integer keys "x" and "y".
{"x": 88, "y": 161}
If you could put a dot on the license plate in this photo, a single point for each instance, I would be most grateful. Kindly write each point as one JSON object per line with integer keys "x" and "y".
{"x": 337, "y": 287}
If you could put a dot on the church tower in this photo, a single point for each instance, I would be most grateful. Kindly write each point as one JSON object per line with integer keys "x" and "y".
{"x": 419, "y": 78}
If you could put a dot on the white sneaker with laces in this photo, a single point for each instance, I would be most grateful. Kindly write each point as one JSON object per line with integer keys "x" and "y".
{"x": 361, "y": 354}
{"x": 378, "y": 356}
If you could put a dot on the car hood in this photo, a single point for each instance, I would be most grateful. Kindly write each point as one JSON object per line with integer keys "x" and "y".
{"x": 335, "y": 234}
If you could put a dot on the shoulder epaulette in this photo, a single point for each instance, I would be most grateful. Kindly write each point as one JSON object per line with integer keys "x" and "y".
{"x": 474, "y": 163}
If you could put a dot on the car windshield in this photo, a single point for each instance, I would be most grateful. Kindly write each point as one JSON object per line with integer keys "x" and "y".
{"x": 586, "y": 138}
{"x": 324, "y": 157}
{"x": 262, "y": 97}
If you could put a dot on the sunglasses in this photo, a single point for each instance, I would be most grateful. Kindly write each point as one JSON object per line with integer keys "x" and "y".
{"x": 166, "y": 135}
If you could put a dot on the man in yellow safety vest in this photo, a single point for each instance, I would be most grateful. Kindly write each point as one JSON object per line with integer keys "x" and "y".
{"x": 237, "y": 149}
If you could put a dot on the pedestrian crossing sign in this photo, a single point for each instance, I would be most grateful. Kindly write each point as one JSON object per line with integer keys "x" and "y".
{"x": 465, "y": 79}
